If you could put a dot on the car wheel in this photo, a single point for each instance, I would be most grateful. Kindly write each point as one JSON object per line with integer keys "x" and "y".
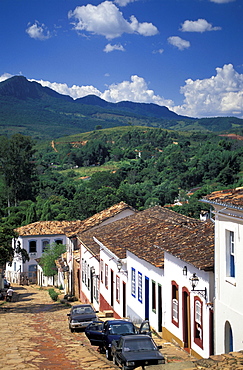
{"x": 124, "y": 367}
{"x": 108, "y": 354}
{"x": 71, "y": 329}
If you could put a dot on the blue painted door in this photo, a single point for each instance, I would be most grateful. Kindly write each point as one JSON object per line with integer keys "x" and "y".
{"x": 146, "y": 298}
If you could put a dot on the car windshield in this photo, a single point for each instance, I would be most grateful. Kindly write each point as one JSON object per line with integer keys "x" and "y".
{"x": 82, "y": 310}
{"x": 139, "y": 345}
{"x": 119, "y": 329}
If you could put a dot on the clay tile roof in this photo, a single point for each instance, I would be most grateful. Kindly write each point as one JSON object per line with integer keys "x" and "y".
{"x": 149, "y": 233}
{"x": 232, "y": 198}
{"x": 70, "y": 228}
{"x": 102, "y": 216}
{"x": 49, "y": 228}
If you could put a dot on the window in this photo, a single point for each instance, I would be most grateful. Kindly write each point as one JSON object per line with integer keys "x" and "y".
{"x": 133, "y": 282}
{"x": 82, "y": 270}
{"x": 175, "y": 304}
{"x": 88, "y": 277}
{"x": 45, "y": 245}
{"x": 59, "y": 241}
{"x": 230, "y": 254}
{"x": 101, "y": 271}
{"x": 140, "y": 287}
{"x": 106, "y": 276}
{"x": 85, "y": 273}
{"x": 198, "y": 332}
{"x": 32, "y": 246}
{"x": 117, "y": 288}
{"x": 153, "y": 295}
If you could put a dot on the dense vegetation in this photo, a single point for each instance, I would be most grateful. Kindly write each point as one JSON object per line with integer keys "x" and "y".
{"x": 78, "y": 176}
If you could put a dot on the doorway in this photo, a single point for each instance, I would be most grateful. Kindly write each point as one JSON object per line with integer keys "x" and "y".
{"x": 159, "y": 308}
{"x": 112, "y": 288}
{"x": 186, "y": 319}
{"x": 146, "y": 298}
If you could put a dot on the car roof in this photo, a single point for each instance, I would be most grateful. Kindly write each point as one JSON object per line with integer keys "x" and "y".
{"x": 82, "y": 305}
{"x": 137, "y": 336}
{"x": 118, "y": 321}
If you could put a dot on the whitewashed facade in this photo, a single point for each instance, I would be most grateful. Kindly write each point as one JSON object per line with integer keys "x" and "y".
{"x": 188, "y": 315}
{"x": 228, "y": 278}
{"x": 35, "y": 246}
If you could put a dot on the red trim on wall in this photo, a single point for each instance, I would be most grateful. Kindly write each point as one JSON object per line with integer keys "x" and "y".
{"x": 174, "y": 284}
{"x": 198, "y": 329}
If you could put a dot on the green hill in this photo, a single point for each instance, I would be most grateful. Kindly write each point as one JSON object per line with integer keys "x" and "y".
{"x": 31, "y": 109}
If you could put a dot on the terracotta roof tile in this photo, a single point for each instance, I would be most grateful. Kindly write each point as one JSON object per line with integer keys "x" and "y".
{"x": 232, "y": 198}
{"x": 70, "y": 228}
{"x": 149, "y": 233}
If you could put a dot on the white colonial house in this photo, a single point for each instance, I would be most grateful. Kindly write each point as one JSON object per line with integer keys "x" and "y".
{"x": 35, "y": 238}
{"x": 171, "y": 283}
{"x": 146, "y": 261}
{"x": 228, "y": 305}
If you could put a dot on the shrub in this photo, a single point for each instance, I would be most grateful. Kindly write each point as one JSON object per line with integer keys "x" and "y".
{"x": 53, "y": 294}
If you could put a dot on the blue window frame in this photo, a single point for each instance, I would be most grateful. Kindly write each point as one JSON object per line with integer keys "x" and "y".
{"x": 133, "y": 282}
{"x": 140, "y": 287}
{"x": 230, "y": 253}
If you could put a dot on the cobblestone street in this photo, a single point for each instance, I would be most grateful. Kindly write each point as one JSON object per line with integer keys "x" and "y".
{"x": 35, "y": 335}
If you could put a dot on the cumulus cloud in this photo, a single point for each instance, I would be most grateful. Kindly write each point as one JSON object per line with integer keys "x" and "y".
{"x": 73, "y": 91}
{"x": 108, "y": 48}
{"x": 123, "y": 2}
{"x": 5, "y": 76}
{"x": 38, "y": 31}
{"x": 219, "y": 95}
{"x": 135, "y": 90}
{"x": 201, "y": 25}
{"x": 178, "y": 42}
{"x": 221, "y": 1}
{"x": 105, "y": 19}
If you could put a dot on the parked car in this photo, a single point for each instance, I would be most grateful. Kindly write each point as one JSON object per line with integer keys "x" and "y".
{"x": 131, "y": 352}
{"x": 6, "y": 283}
{"x": 81, "y": 316}
{"x": 102, "y": 334}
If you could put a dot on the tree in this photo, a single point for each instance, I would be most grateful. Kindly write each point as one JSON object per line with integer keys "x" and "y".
{"x": 17, "y": 167}
{"x": 6, "y": 250}
{"x": 50, "y": 255}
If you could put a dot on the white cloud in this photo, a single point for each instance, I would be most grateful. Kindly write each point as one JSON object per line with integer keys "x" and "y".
{"x": 5, "y": 76}
{"x": 38, "y": 31}
{"x": 105, "y": 19}
{"x": 201, "y": 25}
{"x": 178, "y": 42}
{"x": 221, "y": 1}
{"x": 73, "y": 91}
{"x": 135, "y": 90}
{"x": 159, "y": 51}
{"x": 108, "y": 48}
{"x": 123, "y": 2}
{"x": 220, "y": 95}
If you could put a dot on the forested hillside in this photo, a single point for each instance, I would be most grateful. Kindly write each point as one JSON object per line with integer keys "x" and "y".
{"x": 75, "y": 177}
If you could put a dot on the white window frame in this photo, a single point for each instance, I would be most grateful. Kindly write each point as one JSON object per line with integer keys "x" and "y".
{"x": 175, "y": 310}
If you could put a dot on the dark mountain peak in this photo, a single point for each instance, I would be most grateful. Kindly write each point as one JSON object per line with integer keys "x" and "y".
{"x": 20, "y": 88}
{"x": 93, "y": 100}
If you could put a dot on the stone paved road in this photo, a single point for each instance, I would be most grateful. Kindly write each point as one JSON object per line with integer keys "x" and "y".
{"x": 35, "y": 335}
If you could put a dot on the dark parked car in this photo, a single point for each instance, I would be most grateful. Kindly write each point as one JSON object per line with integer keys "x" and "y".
{"x": 81, "y": 316}
{"x": 131, "y": 352}
{"x": 6, "y": 283}
{"x": 103, "y": 333}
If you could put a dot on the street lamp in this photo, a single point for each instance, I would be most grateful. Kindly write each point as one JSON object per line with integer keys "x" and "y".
{"x": 194, "y": 279}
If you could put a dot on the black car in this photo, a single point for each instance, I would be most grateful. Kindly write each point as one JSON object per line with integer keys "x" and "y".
{"x": 102, "y": 334}
{"x": 131, "y": 352}
{"x": 81, "y": 316}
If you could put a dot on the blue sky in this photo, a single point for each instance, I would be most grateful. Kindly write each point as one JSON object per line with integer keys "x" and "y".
{"x": 184, "y": 54}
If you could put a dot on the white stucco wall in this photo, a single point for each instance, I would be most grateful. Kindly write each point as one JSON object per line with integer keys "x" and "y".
{"x": 87, "y": 259}
{"x": 228, "y": 301}
{"x": 173, "y": 270}
{"x": 18, "y": 265}
{"x": 136, "y": 308}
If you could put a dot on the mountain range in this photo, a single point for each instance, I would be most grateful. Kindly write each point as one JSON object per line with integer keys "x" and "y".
{"x": 29, "y": 108}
